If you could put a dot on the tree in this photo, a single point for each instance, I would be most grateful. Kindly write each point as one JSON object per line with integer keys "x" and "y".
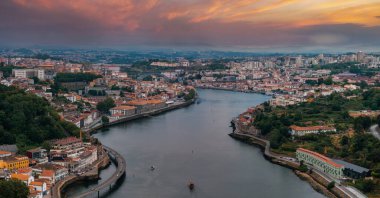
{"x": 365, "y": 185}
{"x": 331, "y": 185}
{"x": 328, "y": 81}
{"x": 190, "y": 95}
{"x": 28, "y": 120}
{"x": 13, "y": 189}
{"x": 344, "y": 141}
{"x": 105, "y": 120}
{"x": 105, "y": 105}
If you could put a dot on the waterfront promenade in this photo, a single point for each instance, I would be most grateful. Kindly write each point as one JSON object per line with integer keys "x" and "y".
{"x": 93, "y": 173}
{"x": 107, "y": 185}
{"x": 293, "y": 163}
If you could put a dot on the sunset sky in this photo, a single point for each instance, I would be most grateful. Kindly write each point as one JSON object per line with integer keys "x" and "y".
{"x": 258, "y": 25}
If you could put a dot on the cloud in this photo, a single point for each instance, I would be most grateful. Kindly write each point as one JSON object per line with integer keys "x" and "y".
{"x": 205, "y": 23}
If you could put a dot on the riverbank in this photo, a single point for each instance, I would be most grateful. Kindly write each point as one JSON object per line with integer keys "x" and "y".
{"x": 234, "y": 90}
{"x": 142, "y": 115}
{"x": 92, "y": 174}
{"x": 315, "y": 179}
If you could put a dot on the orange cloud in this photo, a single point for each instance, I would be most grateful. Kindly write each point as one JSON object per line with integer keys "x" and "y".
{"x": 130, "y": 14}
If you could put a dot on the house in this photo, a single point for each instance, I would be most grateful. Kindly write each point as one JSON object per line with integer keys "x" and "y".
{"x": 47, "y": 174}
{"x": 38, "y": 186}
{"x": 5, "y": 154}
{"x": 300, "y": 131}
{"x": 14, "y": 162}
{"x": 27, "y": 179}
{"x": 38, "y": 154}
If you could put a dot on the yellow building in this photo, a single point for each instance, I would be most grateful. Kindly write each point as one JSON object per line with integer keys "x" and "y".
{"x": 14, "y": 162}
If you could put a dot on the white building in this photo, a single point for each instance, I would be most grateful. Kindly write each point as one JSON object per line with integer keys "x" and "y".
{"x": 29, "y": 73}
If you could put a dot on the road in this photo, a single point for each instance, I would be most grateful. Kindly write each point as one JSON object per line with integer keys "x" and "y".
{"x": 342, "y": 188}
{"x": 121, "y": 168}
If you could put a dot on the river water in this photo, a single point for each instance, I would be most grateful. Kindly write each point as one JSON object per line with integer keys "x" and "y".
{"x": 193, "y": 144}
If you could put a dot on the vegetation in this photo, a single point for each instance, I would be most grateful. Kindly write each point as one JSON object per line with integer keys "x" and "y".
{"x": 105, "y": 105}
{"x": 75, "y": 77}
{"x": 303, "y": 168}
{"x": 331, "y": 185}
{"x": 13, "y": 189}
{"x": 105, "y": 120}
{"x": 365, "y": 186}
{"x": 7, "y": 70}
{"x": 190, "y": 95}
{"x": 28, "y": 120}
{"x": 357, "y": 146}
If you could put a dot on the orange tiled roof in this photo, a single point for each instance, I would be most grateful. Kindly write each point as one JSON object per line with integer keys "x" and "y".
{"x": 311, "y": 128}
{"x": 24, "y": 170}
{"x": 4, "y": 152}
{"x": 47, "y": 173}
{"x": 35, "y": 183}
{"x": 124, "y": 107}
{"x": 20, "y": 177}
{"x": 321, "y": 157}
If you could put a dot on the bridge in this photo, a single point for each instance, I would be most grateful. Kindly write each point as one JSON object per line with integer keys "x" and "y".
{"x": 106, "y": 186}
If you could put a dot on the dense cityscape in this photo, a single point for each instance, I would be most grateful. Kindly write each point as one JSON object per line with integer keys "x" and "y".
{"x": 195, "y": 98}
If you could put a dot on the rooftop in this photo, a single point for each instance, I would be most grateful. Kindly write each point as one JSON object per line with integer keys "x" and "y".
{"x": 311, "y": 128}
{"x": 348, "y": 165}
{"x": 321, "y": 157}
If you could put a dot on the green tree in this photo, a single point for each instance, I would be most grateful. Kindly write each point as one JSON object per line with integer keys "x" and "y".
{"x": 331, "y": 185}
{"x": 328, "y": 81}
{"x": 13, "y": 189}
{"x": 105, "y": 120}
{"x": 344, "y": 141}
{"x": 105, "y": 105}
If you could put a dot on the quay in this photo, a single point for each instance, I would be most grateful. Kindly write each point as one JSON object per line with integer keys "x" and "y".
{"x": 109, "y": 154}
{"x": 100, "y": 125}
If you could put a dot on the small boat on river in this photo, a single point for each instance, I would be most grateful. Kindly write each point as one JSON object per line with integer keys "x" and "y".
{"x": 191, "y": 185}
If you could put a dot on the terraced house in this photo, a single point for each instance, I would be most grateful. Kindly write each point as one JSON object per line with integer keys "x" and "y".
{"x": 320, "y": 162}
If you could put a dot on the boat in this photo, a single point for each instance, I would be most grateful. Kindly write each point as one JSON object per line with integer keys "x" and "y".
{"x": 152, "y": 168}
{"x": 191, "y": 185}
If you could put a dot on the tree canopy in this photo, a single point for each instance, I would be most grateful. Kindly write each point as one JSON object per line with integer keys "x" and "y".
{"x": 13, "y": 189}
{"x": 105, "y": 105}
{"x": 28, "y": 120}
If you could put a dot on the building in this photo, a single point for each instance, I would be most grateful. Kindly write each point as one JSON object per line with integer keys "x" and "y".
{"x": 353, "y": 171}
{"x": 300, "y": 131}
{"x": 47, "y": 174}
{"x": 67, "y": 147}
{"x": 320, "y": 162}
{"x": 122, "y": 111}
{"x": 146, "y": 105}
{"x": 27, "y": 179}
{"x": 336, "y": 168}
{"x": 14, "y": 162}
{"x": 5, "y": 154}
{"x": 38, "y": 154}
{"x": 29, "y": 73}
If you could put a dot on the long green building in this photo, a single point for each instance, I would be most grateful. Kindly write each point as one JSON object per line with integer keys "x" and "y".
{"x": 320, "y": 162}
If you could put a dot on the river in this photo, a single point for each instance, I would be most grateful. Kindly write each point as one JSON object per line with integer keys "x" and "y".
{"x": 193, "y": 144}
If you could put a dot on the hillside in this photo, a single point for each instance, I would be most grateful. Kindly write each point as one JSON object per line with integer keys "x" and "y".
{"x": 28, "y": 120}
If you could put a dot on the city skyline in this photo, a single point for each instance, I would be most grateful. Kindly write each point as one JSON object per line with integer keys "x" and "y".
{"x": 242, "y": 25}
